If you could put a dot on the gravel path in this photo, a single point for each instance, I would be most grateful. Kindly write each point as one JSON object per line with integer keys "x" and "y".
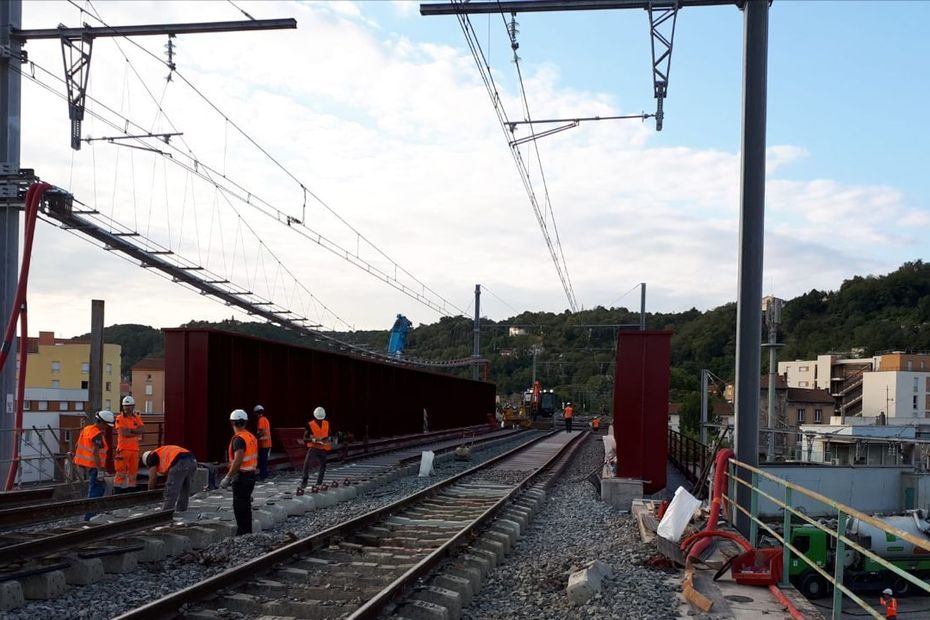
{"x": 116, "y": 594}
{"x": 573, "y": 528}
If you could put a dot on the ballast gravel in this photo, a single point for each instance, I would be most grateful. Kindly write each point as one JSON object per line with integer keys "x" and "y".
{"x": 573, "y": 528}
{"x": 117, "y": 594}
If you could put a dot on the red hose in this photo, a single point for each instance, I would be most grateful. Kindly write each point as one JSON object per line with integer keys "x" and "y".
{"x": 33, "y": 198}
{"x": 720, "y": 475}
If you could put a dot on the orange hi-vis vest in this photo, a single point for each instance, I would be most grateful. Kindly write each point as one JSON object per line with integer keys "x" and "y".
{"x": 84, "y": 451}
{"x": 250, "y": 457}
{"x": 265, "y": 427}
{"x": 596, "y": 424}
{"x": 320, "y": 432}
{"x": 166, "y": 456}
{"x": 891, "y": 607}
{"x": 130, "y": 442}
{"x": 569, "y": 412}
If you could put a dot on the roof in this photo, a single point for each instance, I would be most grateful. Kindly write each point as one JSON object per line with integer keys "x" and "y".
{"x": 803, "y": 395}
{"x": 781, "y": 383}
{"x": 149, "y": 363}
{"x": 674, "y": 408}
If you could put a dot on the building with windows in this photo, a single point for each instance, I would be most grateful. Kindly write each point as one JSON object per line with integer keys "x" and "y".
{"x": 897, "y": 395}
{"x": 60, "y": 368}
{"x": 148, "y": 385}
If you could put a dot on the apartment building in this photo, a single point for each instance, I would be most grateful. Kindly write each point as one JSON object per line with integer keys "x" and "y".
{"x": 148, "y": 385}
{"x": 62, "y": 365}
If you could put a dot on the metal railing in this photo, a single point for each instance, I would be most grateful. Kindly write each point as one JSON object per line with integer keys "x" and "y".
{"x": 689, "y": 455}
{"x": 843, "y": 516}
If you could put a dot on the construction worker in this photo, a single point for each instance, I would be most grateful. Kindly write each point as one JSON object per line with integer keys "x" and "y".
{"x": 90, "y": 454}
{"x": 178, "y": 466}
{"x": 567, "y": 414}
{"x": 129, "y": 428}
{"x": 243, "y": 461}
{"x": 264, "y": 441}
{"x": 595, "y": 424}
{"x": 317, "y": 440}
{"x": 890, "y": 604}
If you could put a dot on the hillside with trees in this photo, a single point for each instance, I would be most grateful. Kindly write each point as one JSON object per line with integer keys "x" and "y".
{"x": 575, "y": 351}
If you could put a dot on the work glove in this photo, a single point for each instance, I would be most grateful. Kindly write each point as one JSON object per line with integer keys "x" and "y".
{"x": 224, "y": 483}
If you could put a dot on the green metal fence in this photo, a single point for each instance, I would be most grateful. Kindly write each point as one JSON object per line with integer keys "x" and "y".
{"x": 842, "y": 541}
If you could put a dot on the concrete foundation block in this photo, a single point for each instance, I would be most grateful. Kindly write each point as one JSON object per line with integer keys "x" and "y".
{"x": 467, "y": 571}
{"x": 264, "y": 517}
{"x": 11, "y": 595}
{"x": 199, "y": 481}
{"x": 489, "y": 544}
{"x": 505, "y": 538}
{"x": 585, "y": 583}
{"x": 45, "y": 585}
{"x": 175, "y": 544}
{"x": 121, "y": 563}
{"x": 620, "y": 492}
{"x": 153, "y": 550}
{"x": 423, "y": 610}
{"x": 485, "y": 560}
{"x": 84, "y": 571}
{"x": 456, "y": 584}
{"x": 221, "y": 529}
{"x": 278, "y": 512}
{"x": 200, "y": 537}
{"x": 293, "y": 507}
{"x": 327, "y": 498}
{"x": 450, "y": 599}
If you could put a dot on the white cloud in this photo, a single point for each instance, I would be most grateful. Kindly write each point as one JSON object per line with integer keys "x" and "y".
{"x": 398, "y": 135}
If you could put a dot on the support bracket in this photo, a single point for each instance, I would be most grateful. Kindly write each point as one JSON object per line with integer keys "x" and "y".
{"x": 662, "y": 17}
{"x": 75, "y": 52}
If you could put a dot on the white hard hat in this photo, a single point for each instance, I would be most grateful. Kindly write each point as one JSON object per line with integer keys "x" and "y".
{"x": 106, "y": 416}
{"x": 129, "y": 400}
{"x": 145, "y": 456}
{"x": 258, "y": 408}
{"x": 239, "y": 414}
{"x": 319, "y": 413}
{"x": 887, "y": 592}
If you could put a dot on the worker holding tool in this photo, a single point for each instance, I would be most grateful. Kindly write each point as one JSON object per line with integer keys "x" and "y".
{"x": 129, "y": 428}
{"x": 263, "y": 435}
{"x": 90, "y": 454}
{"x": 890, "y": 603}
{"x": 567, "y": 414}
{"x": 595, "y": 424}
{"x": 243, "y": 461}
{"x": 318, "y": 440}
{"x": 178, "y": 466}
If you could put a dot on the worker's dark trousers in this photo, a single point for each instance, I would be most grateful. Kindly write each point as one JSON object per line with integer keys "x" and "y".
{"x": 315, "y": 454}
{"x": 242, "y": 501}
{"x": 263, "y": 454}
{"x": 178, "y": 483}
{"x": 568, "y": 425}
{"x": 96, "y": 487}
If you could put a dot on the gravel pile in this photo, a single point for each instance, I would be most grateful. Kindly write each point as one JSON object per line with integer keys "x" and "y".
{"x": 116, "y": 594}
{"x": 574, "y": 528}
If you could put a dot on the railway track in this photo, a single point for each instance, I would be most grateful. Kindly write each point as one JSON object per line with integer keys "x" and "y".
{"x": 376, "y": 564}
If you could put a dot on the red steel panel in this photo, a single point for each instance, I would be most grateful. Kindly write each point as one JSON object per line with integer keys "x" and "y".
{"x": 209, "y": 373}
{"x": 641, "y": 406}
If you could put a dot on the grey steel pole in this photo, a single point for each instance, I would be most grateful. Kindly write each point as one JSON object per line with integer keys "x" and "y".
{"x": 476, "y": 351}
{"x": 535, "y": 353}
{"x": 95, "y": 376}
{"x": 773, "y": 383}
{"x": 751, "y": 236}
{"x": 704, "y": 406}
{"x": 642, "y": 306}
{"x": 11, "y": 14}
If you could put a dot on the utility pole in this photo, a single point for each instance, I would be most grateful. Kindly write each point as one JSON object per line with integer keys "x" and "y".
{"x": 476, "y": 350}
{"x": 772, "y": 307}
{"x": 76, "y": 52}
{"x": 95, "y": 369}
{"x": 642, "y": 306}
{"x": 704, "y": 394}
{"x": 752, "y": 182}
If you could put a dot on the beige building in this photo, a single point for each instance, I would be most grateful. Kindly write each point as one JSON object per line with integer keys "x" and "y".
{"x": 64, "y": 366}
{"x": 148, "y": 385}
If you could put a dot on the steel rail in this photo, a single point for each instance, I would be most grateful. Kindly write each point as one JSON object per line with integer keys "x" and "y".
{"x": 374, "y": 606}
{"x": 38, "y": 513}
{"x": 58, "y": 542}
{"x": 11, "y": 499}
{"x": 168, "y": 606}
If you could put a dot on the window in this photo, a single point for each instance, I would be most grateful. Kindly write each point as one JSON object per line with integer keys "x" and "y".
{"x": 43, "y": 405}
{"x": 909, "y": 364}
{"x": 56, "y": 367}
{"x": 916, "y": 384}
{"x": 56, "y": 383}
{"x": 78, "y": 405}
{"x": 148, "y": 406}
{"x": 109, "y": 368}
{"x": 84, "y": 385}
{"x": 801, "y": 416}
{"x": 27, "y": 404}
{"x": 803, "y": 369}
{"x": 148, "y": 377}
{"x": 109, "y": 404}
{"x": 803, "y": 384}
{"x": 85, "y": 367}
{"x": 63, "y": 405}
{"x": 915, "y": 401}
{"x": 818, "y": 416}
{"x": 148, "y": 390}
{"x": 108, "y": 387}
{"x": 800, "y": 438}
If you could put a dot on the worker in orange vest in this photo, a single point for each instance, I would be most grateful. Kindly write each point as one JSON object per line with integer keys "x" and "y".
{"x": 317, "y": 438}
{"x": 129, "y": 428}
{"x": 90, "y": 454}
{"x": 595, "y": 424}
{"x": 264, "y": 441}
{"x": 178, "y": 466}
{"x": 567, "y": 415}
{"x": 243, "y": 461}
{"x": 890, "y": 605}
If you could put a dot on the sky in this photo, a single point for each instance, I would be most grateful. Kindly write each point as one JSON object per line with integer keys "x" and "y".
{"x": 385, "y": 144}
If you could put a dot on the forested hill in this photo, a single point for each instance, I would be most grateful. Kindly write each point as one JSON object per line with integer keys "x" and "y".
{"x": 576, "y": 350}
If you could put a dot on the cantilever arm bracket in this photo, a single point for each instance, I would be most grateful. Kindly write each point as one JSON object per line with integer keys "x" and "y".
{"x": 662, "y": 17}
{"x": 75, "y": 52}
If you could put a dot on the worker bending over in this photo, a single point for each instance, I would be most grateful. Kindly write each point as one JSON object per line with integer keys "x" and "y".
{"x": 567, "y": 415}
{"x": 318, "y": 441}
{"x": 243, "y": 461}
{"x": 890, "y": 603}
{"x": 264, "y": 441}
{"x": 90, "y": 454}
{"x": 595, "y": 424}
{"x": 178, "y": 466}
{"x": 129, "y": 428}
